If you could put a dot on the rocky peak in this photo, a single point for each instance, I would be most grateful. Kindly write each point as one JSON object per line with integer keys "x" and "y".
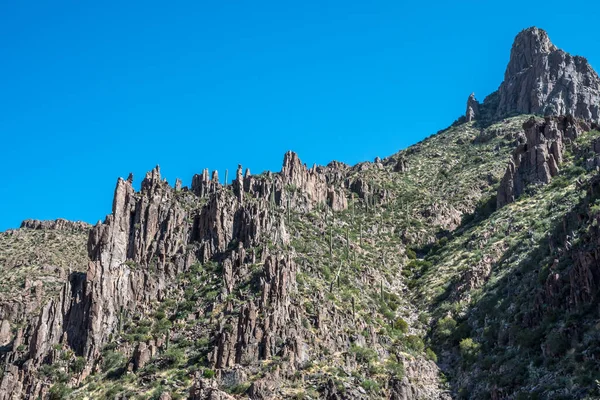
{"x": 292, "y": 169}
{"x": 312, "y": 182}
{"x": 529, "y": 45}
{"x": 202, "y": 185}
{"x": 152, "y": 179}
{"x": 542, "y": 79}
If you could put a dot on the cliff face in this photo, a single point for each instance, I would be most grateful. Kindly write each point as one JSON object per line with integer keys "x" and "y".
{"x": 217, "y": 261}
{"x": 537, "y": 160}
{"x": 544, "y": 80}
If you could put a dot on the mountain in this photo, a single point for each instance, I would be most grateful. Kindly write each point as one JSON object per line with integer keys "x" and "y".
{"x": 465, "y": 266}
{"x": 542, "y": 79}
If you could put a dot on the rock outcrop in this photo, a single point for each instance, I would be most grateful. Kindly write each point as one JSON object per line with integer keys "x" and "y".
{"x": 401, "y": 165}
{"x": 472, "y": 108}
{"x": 58, "y": 225}
{"x": 544, "y": 80}
{"x": 206, "y": 389}
{"x": 160, "y": 232}
{"x": 537, "y": 160}
{"x": 417, "y": 384}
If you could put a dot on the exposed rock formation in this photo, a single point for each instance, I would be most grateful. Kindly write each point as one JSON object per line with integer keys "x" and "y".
{"x": 154, "y": 235}
{"x": 254, "y": 337}
{"x": 417, "y": 382}
{"x": 206, "y": 389}
{"x": 58, "y": 224}
{"x": 401, "y": 165}
{"x": 311, "y": 182}
{"x": 544, "y": 80}
{"x": 202, "y": 185}
{"x": 472, "y": 108}
{"x": 537, "y": 160}
{"x": 60, "y": 322}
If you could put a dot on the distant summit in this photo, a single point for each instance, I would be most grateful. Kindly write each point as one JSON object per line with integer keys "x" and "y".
{"x": 542, "y": 79}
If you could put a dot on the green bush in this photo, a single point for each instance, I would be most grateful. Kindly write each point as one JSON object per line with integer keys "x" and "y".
{"x": 395, "y": 368}
{"x": 173, "y": 357}
{"x": 461, "y": 331}
{"x": 445, "y": 327}
{"x": 112, "y": 360}
{"x": 469, "y": 349}
{"x": 240, "y": 388}
{"x": 370, "y": 385}
{"x": 114, "y": 391}
{"x": 363, "y": 354}
{"x": 78, "y": 364}
{"x": 431, "y": 355}
{"x": 556, "y": 343}
{"x": 162, "y": 326}
{"x": 401, "y": 325}
{"x": 209, "y": 373}
{"x": 59, "y": 391}
{"x": 414, "y": 343}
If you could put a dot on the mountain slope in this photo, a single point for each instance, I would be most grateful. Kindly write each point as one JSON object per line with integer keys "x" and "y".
{"x": 461, "y": 267}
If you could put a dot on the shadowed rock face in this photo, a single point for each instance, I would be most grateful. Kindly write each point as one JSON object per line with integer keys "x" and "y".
{"x": 537, "y": 160}
{"x": 542, "y": 79}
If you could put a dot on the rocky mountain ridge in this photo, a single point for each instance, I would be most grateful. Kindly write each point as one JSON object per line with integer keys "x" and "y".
{"x": 408, "y": 277}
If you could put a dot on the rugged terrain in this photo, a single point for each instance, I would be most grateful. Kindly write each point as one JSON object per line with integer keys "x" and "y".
{"x": 465, "y": 266}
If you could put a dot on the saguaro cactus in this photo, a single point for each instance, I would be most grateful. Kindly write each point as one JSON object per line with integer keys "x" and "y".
{"x": 330, "y": 240}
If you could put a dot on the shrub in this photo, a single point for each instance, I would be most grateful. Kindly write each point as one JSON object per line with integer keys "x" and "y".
{"x": 461, "y": 331}
{"x": 445, "y": 327}
{"x": 411, "y": 254}
{"x": 414, "y": 343}
{"x": 431, "y": 355}
{"x": 162, "y": 326}
{"x": 556, "y": 343}
{"x": 363, "y": 354}
{"x": 112, "y": 360}
{"x": 173, "y": 357}
{"x": 395, "y": 368}
{"x": 240, "y": 388}
{"x": 370, "y": 385}
{"x": 59, "y": 391}
{"x": 114, "y": 391}
{"x": 401, "y": 325}
{"x": 78, "y": 364}
{"x": 469, "y": 349}
{"x": 209, "y": 373}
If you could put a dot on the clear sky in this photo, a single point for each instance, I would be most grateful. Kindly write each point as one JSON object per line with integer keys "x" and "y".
{"x": 90, "y": 91}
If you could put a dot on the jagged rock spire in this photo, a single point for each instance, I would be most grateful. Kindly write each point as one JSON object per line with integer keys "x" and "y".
{"x": 472, "y": 108}
{"x": 542, "y": 79}
{"x": 152, "y": 179}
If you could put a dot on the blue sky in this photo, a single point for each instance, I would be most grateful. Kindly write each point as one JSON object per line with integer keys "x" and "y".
{"x": 91, "y": 92}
